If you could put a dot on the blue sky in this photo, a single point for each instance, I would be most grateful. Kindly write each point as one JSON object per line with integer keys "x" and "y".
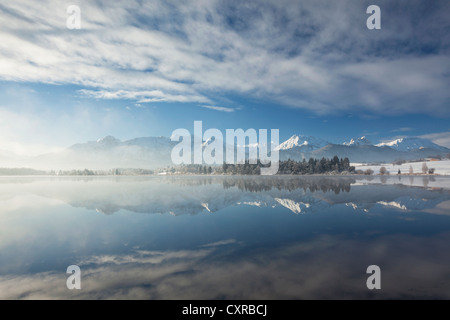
{"x": 146, "y": 68}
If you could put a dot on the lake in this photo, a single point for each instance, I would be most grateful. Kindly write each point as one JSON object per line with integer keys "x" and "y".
{"x": 225, "y": 237}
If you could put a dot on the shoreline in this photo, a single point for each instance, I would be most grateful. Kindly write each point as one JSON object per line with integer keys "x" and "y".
{"x": 230, "y": 175}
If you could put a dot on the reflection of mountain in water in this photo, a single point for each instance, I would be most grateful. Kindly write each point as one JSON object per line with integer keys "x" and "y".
{"x": 193, "y": 195}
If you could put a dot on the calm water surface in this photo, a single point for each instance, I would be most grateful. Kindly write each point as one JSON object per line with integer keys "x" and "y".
{"x": 224, "y": 237}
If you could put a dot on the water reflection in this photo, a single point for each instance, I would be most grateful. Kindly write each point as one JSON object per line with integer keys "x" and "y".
{"x": 194, "y": 195}
{"x": 313, "y": 184}
{"x": 224, "y": 237}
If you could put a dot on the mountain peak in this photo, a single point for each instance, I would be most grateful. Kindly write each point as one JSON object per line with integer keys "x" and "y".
{"x": 108, "y": 140}
{"x": 363, "y": 141}
{"x": 302, "y": 141}
{"x": 410, "y": 143}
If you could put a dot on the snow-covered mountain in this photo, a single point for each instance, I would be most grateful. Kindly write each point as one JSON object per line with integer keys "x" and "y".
{"x": 409, "y": 144}
{"x": 155, "y": 152}
{"x": 363, "y": 141}
{"x": 360, "y": 149}
{"x": 361, "y": 153}
{"x": 299, "y": 147}
{"x": 108, "y": 153}
{"x": 300, "y": 141}
{"x": 110, "y": 142}
{"x": 107, "y": 142}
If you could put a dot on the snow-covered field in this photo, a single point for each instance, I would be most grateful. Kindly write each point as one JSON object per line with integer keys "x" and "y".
{"x": 441, "y": 167}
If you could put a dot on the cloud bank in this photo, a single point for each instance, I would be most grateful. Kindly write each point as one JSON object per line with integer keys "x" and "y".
{"x": 314, "y": 55}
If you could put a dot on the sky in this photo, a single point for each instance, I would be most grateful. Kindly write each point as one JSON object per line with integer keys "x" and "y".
{"x": 145, "y": 68}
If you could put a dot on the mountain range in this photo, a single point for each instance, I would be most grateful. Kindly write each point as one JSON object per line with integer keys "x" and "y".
{"x": 361, "y": 149}
{"x": 155, "y": 152}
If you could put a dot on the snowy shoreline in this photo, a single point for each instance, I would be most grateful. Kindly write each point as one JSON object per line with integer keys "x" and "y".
{"x": 441, "y": 167}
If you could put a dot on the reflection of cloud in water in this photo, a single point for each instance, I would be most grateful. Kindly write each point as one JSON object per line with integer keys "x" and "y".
{"x": 221, "y": 243}
{"x": 441, "y": 208}
{"x": 327, "y": 267}
{"x": 145, "y": 256}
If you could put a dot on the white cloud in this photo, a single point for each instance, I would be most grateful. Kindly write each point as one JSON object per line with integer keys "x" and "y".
{"x": 309, "y": 55}
{"x": 403, "y": 129}
{"x": 143, "y": 96}
{"x": 223, "y": 109}
{"x": 442, "y": 138}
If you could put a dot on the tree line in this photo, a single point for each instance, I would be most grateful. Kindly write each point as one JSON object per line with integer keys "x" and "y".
{"x": 304, "y": 167}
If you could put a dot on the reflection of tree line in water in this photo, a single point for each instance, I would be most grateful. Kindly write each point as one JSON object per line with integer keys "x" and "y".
{"x": 267, "y": 183}
{"x": 425, "y": 179}
{"x": 291, "y": 184}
